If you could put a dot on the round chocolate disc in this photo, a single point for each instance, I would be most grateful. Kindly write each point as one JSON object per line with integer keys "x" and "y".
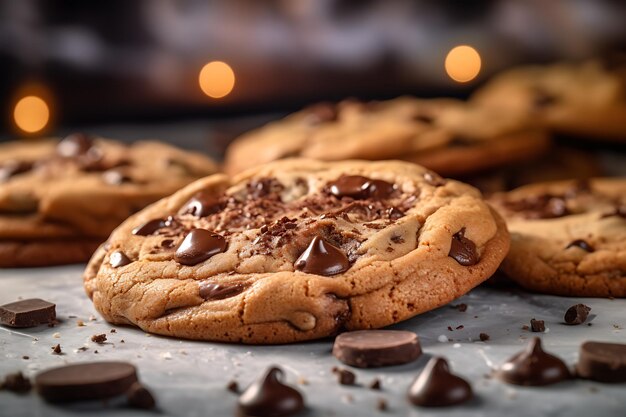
{"x": 375, "y": 348}
{"x": 85, "y": 381}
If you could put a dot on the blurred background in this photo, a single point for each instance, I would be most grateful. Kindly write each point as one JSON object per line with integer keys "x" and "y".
{"x": 198, "y": 73}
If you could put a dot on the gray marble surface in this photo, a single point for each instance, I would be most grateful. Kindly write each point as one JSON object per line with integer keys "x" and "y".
{"x": 189, "y": 378}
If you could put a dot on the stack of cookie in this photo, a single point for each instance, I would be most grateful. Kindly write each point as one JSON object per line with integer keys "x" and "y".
{"x": 59, "y": 200}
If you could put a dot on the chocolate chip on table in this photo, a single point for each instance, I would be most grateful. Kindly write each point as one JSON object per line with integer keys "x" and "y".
{"x": 359, "y": 187}
{"x": 198, "y": 246}
{"x": 270, "y": 397}
{"x": 603, "y": 362}
{"x": 344, "y": 377}
{"x": 436, "y": 386}
{"x": 27, "y": 313}
{"x": 376, "y": 348}
{"x": 577, "y": 314}
{"x": 533, "y": 367}
{"x": 140, "y": 397}
{"x": 149, "y": 227}
{"x": 322, "y": 258}
{"x": 212, "y": 291}
{"x": 375, "y": 384}
{"x": 119, "y": 259}
{"x": 537, "y": 326}
{"x": 583, "y": 244}
{"x": 484, "y": 337}
{"x": 86, "y": 381}
{"x": 56, "y": 349}
{"x": 74, "y": 145}
{"x": 381, "y": 404}
{"x": 202, "y": 204}
{"x": 232, "y": 386}
{"x": 463, "y": 250}
{"x": 16, "y": 382}
{"x": 99, "y": 338}
{"x": 460, "y": 307}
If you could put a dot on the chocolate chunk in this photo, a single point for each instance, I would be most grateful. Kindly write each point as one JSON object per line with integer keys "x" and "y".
{"x": 577, "y": 314}
{"x": 233, "y": 387}
{"x": 344, "y": 377}
{"x": 115, "y": 177}
{"x": 376, "y": 348}
{"x": 537, "y": 326}
{"x": 436, "y": 386}
{"x": 269, "y": 397}
{"x": 56, "y": 349}
{"x": 359, "y": 187}
{"x": 212, "y": 291}
{"x": 74, "y": 145}
{"x": 16, "y": 382}
{"x": 10, "y": 169}
{"x": 27, "y": 313}
{"x": 581, "y": 244}
{"x": 138, "y": 396}
{"x": 202, "y": 204}
{"x": 99, "y": 338}
{"x": 322, "y": 258}
{"x": 533, "y": 367}
{"x": 118, "y": 259}
{"x": 198, "y": 246}
{"x": 85, "y": 381}
{"x": 484, "y": 337}
{"x": 463, "y": 250}
{"x": 150, "y": 227}
{"x": 604, "y": 362}
{"x": 375, "y": 384}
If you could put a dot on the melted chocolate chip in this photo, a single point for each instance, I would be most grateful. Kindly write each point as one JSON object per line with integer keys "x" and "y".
{"x": 436, "y": 386}
{"x": 198, "y": 246}
{"x": 269, "y": 397}
{"x": 463, "y": 250}
{"x": 533, "y": 367}
{"x": 118, "y": 259}
{"x": 359, "y": 187}
{"x": 150, "y": 227}
{"x": 581, "y": 244}
{"x": 10, "y": 169}
{"x": 212, "y": 291}
{"x": 395, "y": 213}
{"x": 202, "y": 204}
{"x": 537, "y": 326}
{"x": 74, "y": 145}
{"x": 322, "y": 258}
{"x": 577, "y": 314}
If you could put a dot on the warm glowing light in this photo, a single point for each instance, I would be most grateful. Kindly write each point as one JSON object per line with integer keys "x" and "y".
{"x": 31, "y": 114}
{"x": 463, "y": 63}
{"x": 217, "y": 79}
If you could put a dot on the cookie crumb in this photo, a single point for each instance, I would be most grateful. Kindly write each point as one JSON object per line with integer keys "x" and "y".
{"x": 99, "y": 338}
{"x": 484, "y": 337}
{"x": 344, "y": 377}
{"x": 525, "y": 327}
{"x": 537, "y": 326}
{"x": 233, "y": 387}
{"x": 576, "y": 314}
{"x": 381, "y": 404}
{"x": 302, "y": 381}
{"x": 56, "y": 335}
{"x": 92, "y": 318}
{"x": 57, "y": 349}
{"x": 375, "y": 384}
{"x": 80, "y": 323}
{"x": 16, "y": 382}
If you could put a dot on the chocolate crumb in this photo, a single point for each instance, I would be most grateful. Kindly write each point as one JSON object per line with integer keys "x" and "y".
{"x": 381, "y": 404}
{"x": 537, "y": 326}
{"x": 233, "y": 387}
{"x": 344, "y": 377}
{"x": 82, "y": 348}
{"x": 577, "y": 314}
{"x": 460, "y": 307}
{"x": 16, "y": 382}
{"x": 525, "y": 327}
{"x": 375, "y": 384}
{"x": 26, "y": 357}
{"x": 459, "y": 327}
{"x": 113, "y": 331}
{"x": 96, "y": 351}
{"x": 57, "y": 349}
{"x": 484, "y": 337}
{"x": 449, "y": 328}
{"x": 99, "y": 338}
{"x": 122, "y": 341}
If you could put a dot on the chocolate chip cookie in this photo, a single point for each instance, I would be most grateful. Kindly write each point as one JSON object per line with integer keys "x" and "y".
{"x": 59, "y": 200}
{"x": 586, "y": 100}
{"x": 445, "y": 135}
{"x": 297, "y": 250}
{"x": 567, "y": 238}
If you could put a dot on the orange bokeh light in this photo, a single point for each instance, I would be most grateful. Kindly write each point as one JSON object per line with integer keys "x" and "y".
{"x": 31, "y": 114}
{"x": 463, "y": 63}
{"x": 217, "y": 79}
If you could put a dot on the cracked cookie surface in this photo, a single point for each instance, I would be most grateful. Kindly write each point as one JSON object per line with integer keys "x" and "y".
{"x": 297, "y": 250}
{"x": 60, "y": 199}
{"x": 445, "y": 135}
{"x": 567, "y": 237}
